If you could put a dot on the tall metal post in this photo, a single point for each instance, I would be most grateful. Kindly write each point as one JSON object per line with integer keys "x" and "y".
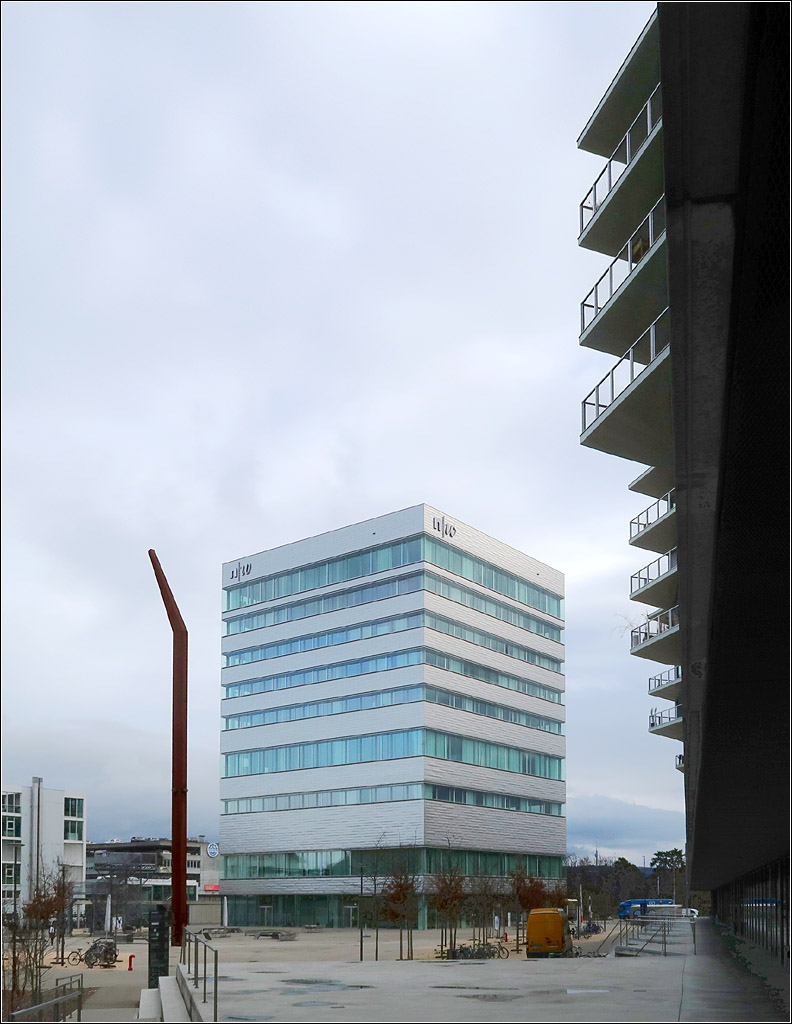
{"x": 179, "y": 757}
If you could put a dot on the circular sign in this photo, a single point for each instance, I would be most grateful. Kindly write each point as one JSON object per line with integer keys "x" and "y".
{"x": 212, "y": 850}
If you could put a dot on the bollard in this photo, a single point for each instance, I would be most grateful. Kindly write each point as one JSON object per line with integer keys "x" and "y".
{"x": 131, "y": 958}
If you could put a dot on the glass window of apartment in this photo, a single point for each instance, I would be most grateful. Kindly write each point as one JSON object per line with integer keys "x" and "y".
{"x": 12, "y": 803}
{"x": 12, "y": 827}
{"x": 73, "y": 830}
{"x": 73, "y": 807}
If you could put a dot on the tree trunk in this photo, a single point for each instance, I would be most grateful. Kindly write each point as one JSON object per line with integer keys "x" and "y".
{"x": 401, "y": 940}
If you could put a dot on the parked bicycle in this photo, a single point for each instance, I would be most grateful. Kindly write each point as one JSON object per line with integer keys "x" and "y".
{"x": 102, "y": 952}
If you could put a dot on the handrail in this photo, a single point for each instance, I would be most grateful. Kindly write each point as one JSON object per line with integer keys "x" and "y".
{"x": 650, "y": 515}
{"x": 623, "y": 264}
{"x": 78, "y": 995}
{"x": 189, "y": 956}
{"x": 652, "y": 572}
{"x": 657, "y": 718}
{"x": 671, "y": 675}
{"x": 656, "y": 623}
{"x": 680, "y": 760}
{"x": 651, "y": 343}
{"x": 621, "y": 158}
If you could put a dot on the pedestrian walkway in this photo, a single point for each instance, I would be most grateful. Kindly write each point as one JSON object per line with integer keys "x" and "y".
{"x": 705, "y": 985}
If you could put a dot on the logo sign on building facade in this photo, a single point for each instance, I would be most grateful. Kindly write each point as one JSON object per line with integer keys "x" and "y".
{"x": 444, "y": 528}
{"x": 212, "y": 850}
{"x": 241, "y": 570}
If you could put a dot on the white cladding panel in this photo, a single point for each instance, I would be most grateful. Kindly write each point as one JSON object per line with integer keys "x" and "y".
{"x": 485, "y": 828}
{"x": 400, "y": 823}
{"x": 344, "y": 776}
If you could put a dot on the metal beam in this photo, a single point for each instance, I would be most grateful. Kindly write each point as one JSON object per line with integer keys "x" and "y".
{"x": 179, "y": 757}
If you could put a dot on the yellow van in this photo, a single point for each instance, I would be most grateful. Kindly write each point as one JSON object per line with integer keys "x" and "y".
{"x": 548, "y": 932}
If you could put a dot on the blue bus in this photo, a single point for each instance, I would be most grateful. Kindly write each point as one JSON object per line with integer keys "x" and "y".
{"x": 635, "y": 908}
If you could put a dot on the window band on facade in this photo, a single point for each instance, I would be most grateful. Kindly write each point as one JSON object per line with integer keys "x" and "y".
{"x": 414, "y": 860}
{"x": 389, "y": 794}
{"x": 386, "y": 663}
{"x": 391, "y": 556}
{"x": 394, "y": 587}
{"x": 391, "y": 746}
{"x": 387, "y": 698}
{"x": 381, "y": 627}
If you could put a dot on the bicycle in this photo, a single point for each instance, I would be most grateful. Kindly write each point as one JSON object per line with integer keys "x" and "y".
{"x": 75, "y": 957}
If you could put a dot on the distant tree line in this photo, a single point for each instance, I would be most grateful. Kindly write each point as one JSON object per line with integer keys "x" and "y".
{"x": 608, "y": 881}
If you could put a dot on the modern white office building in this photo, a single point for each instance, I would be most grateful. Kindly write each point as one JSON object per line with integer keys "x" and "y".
{"x": 43, "y": 831}
{"x": 393, "y": 696}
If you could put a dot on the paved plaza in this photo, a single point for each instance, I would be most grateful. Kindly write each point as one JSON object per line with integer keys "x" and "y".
{"x": 318, "y": 978}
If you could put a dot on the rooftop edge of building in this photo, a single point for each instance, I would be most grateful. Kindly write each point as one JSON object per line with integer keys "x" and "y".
{"x": 392, "y": 526}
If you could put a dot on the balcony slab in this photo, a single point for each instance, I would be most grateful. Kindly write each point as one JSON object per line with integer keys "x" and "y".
{"x": 674, "y": 730}
{"x": 633, "y": 85}
{"x": 625, "y": 206}
{"x": 638, "y": 300}
{"x": 637, "y": 425}
{"x": 654, "y": 482}
{"x": 665, "y": 648}
{"x": 659, "y": 536}
{"x": 660, "y": 593}
{"x": 668, "y": 691}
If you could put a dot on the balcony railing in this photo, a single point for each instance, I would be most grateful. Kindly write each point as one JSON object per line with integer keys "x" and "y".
{"x": 622, "y": 157}
{"x": 671, "y": 675}
{"x": 659, "y": 567}
{"x": 623, "y": 264}
{"x": 680, "y": 761}
{"x": 652, "y": 342}
{"x": 655, "y": 625}
{"x": 665, "y": 717}
{"x": 650, "y": 515}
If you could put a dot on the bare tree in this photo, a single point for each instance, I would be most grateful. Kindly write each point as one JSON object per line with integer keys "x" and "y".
{"x": 448, "y": 899}
{"x": 375, "y": 879}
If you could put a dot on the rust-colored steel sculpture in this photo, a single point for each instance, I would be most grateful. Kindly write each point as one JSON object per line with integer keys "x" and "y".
{"x": 179, "y": 758}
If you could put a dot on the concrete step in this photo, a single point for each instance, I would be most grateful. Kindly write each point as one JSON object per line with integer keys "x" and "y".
{"x": 173, "y": 1008}
{"x": 150, "y": 1007}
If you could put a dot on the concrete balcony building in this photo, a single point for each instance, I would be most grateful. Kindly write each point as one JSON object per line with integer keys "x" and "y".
{"x": 691, "y": 212}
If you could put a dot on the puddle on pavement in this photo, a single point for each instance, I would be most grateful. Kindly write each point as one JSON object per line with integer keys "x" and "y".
{"x": 490, "y": 997}
{"x": 324, "y": 985}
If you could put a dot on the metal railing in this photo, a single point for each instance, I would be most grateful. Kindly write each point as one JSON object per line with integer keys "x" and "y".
{"x": 657, "y": 623}
{"x": 635, "y": 360}
{"x": 652, "y": 572}
{"x": 657, "y": 718}
{"x": 191, "y": 941}
{"x": 622, "y": 156}
{"x": 623, "y": 264}
{"x": 650, "y": 515}
{"x": 671, "y": 675}
{"x": 680, "y": 760}
{"x": 56, "y": 1010}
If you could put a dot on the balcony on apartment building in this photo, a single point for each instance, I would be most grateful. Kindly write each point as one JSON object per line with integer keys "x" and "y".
{"x": 634, "y": 81}
{"x": 658, "y": 638}
{"x": 633, "y": 290}
{"x": 656, "y": 583}
{"x": 667, "y": 723}
{"x": 667, "y": 684}
{"x": 628, "y": 413}
{"x": 655, "y": 529}
{"x": 680, "y": 762}
{"x": 654, "y": 482}
{"x": 630, "y": 183}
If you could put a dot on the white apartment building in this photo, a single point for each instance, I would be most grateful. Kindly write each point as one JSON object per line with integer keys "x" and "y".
{"x": 393, "y": 696}
{"x": 43, "y": 830}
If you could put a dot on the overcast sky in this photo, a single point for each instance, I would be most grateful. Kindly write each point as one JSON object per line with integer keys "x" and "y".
{"x": 273, "y": 268}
